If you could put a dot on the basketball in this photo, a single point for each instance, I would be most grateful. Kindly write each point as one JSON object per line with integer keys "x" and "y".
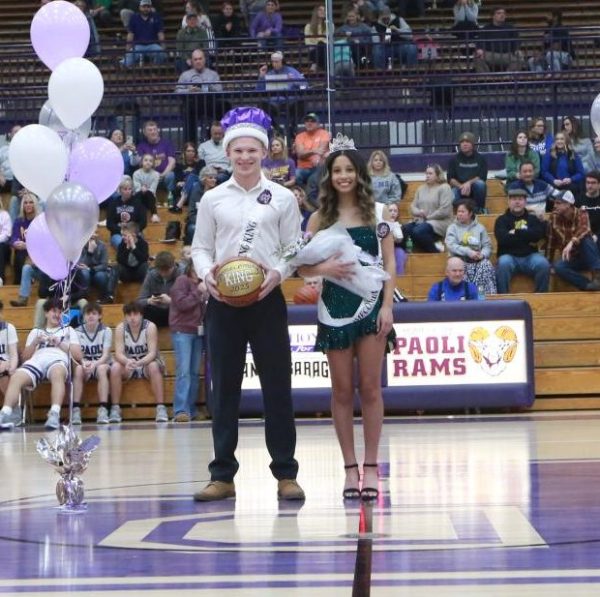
{"x": 306, "y": 295}
{"x": 239, "y": 280}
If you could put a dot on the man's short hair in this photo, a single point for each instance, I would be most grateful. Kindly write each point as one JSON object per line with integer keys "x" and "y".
{"x": 595, "y": 174}
{"x": 132, "y": 307}
{"x": 164, "y": 261}
{"x": 526, "y": 163}
{"x": 91, "y": 307}
{"x": 132, "y": 227}
{"x": 52, "y": 303}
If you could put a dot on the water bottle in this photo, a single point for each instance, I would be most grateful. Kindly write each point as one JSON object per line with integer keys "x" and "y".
{"x": 389, "y": 63}
{"x": 409, "y": 244}
{"x": 481, "y": 292}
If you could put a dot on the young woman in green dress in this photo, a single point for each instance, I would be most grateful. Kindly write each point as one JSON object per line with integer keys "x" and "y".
{"x": 350, "y": 327}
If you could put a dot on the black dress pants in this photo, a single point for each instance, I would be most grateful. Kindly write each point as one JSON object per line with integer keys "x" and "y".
{"x": 229, "y": 330}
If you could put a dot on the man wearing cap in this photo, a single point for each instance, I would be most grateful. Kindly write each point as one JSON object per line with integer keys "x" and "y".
{"x": 311, "y": 147}
{"x": 467, "y": 172}
{"x": 195, "y": 83}
{"x": 569, "y": 233}
{"x": 518, "y": 233}
{"x": 189, "y": 38}
{"x": 539, "y": 193}
{"x": 145, "y": 36}
{"x": 250, "y": 216}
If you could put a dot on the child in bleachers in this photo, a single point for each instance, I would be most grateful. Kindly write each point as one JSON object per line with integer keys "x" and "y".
{"x": 132, "y": 255}
{"x": 145, "y": 183}
{"x": 95, "y": 339}
{"x": 137, "y": 357}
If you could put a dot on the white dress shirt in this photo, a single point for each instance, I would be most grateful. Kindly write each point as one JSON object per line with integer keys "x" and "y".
{"x": 223, "y": 215}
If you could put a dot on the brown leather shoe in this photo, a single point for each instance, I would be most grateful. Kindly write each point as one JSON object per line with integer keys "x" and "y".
{"x": 215, "y": 490}
{"x": 288, "y": 489}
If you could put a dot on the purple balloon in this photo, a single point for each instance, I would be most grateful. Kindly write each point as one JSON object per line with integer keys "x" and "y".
{"x": 59, "y": 30}
{"x": 97, "y": 164}
{"x": 44, "y": 250}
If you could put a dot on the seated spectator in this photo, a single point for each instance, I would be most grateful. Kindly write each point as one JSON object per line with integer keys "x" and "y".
{"x": 145, "y": 36}
{"x": 154, "y": 293}
{"x": 5, "y": 236}
{"x": 201, "y": 9}
{"x": 213, "y": 154}
{"x": 101, "y": 12}
{"x": 227, "y": 26}
{"x": 208, "y": 181}
{"x": 279, "y": 76}
{"x": 518, "y": 233}
{"x": 570, "y": 234}
{"x": 187, "y": 175}
{"x": 94, "y": 268}
{"x": 94, "y": 47}
{"x": 520, "y": 152}
{"x": 191, "y": 37}
{"x": 432, "y": 212}
{"x": 29, "y": 210}
{"x": 145, "y": 184}
{"x": 498, "y": 46}
{"x": 395, "y": 41}
{"x": 539, "y": 194}
{"x": 123, "y": 210}
{"x": 363, "y": 8}
{"x": 562, "y": 167}
{"x": 467, "y": 172}
{"x": 199, "y": 81}
{"x": 132, "y": 255}
{"x": 311, "y": 146}
{"x": 539, "y": 140}
{"x": 465, "y": 13}
{"x": 359, "y": 36}
{"x": 454, "y": 287}
{"x": 581, "y": 145}
{"x": 95, "y": 340}
{"x": 315, "y": 37}
{"x": 468, "y": 239}
{"x": 590, "y": 202}
{"x": 594, "y": 159}
{"x": 559, "y": 49}
{"x": 306, "y": 209}
{"x": 9, "y": 360}
{"x": 386, "y": 185}
{"x": 251, "y": 8}
{"x": 45, "y": 357}
{"x": 394, "y": 221}
{"x": 343, "y": 61}
{"x": 277, "y": 166}
{"x": 137, "y": 357}
{"x": 267, "y": 26}
{"x": 186, "y": 314}
{"x": 127, "y": 148}
{"x": 7, "y": 178}
{"x": 163, "y": 152}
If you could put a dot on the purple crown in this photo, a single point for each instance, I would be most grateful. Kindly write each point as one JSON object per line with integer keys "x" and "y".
{"x": 247, "y": 116}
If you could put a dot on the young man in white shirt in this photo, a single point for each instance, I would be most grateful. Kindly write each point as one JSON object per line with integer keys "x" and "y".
{"x": 248, "y": 215}
{"x": 46, "y": 357}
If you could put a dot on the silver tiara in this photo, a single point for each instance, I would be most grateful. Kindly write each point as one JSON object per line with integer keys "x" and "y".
{"x": 342, "y": 143}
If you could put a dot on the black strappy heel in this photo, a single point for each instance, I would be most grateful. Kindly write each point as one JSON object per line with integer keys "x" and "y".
{"x": 368, "y": 494}
{"x": 352, "y": 493}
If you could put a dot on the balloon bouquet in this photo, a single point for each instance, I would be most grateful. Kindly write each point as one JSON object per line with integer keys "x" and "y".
{"x": 72, "y": 174}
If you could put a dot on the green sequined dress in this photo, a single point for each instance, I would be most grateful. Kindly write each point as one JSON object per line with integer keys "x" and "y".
{"x": 342, "y": 303}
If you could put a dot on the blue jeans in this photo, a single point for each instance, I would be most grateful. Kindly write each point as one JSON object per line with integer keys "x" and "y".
{"x": 155, "y": 51}
{"x": 188, "y": 354}
{"x": 478, "y": 194}
{"x": 586, "y": 258}
{"x": 535, "y": 266}
{"x": 303, "y": 174}
{"x": 99, "y": 279}
{"x": 422, "y": 235}
{"x": 405, "y": 53}
{"x": 28, "y": 275}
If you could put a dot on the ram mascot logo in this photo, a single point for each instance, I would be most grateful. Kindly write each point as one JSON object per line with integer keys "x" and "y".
{"x": 494, "y": 351}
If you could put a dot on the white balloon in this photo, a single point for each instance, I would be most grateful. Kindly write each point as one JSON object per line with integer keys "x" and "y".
{"x": 75, "y": 90}
{"x": 48, "y": 117}
{"x": 39, "y": 159}
{"x": 595, "y": 115}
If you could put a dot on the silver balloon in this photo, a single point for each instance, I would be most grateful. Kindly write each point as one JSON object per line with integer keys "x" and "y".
{"x": 72, "y": 215}
{"x": 70, "y": 456}
{"x": 595, "y": 115}
{"x": 48, "y": 117}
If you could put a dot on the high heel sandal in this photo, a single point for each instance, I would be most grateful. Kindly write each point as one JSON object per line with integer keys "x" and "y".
{"x": 352, "y": 493}
{"x": 368, "y": 494}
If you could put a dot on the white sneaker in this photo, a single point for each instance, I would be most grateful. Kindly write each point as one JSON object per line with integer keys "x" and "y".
{"x": 76, "y": 418}
{"x": 439, "y": 245}
{"x": 115, "y": 414}
{"x": 161, "y": 414}
{"x": 102, "y": 416}
{"x": 53, "y": 420}
{"x": 12, "y": 420}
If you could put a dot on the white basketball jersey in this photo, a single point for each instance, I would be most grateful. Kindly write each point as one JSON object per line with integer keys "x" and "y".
{"x": 136, "y": 348}
{"x": 93, "y": 346}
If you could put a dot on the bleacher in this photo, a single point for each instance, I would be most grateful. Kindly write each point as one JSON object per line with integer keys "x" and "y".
{"x": 567, "y": 336}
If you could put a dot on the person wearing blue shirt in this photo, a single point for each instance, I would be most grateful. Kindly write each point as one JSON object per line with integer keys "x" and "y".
{"x": 145, "y": 36}
{"x": 453, "y": 287}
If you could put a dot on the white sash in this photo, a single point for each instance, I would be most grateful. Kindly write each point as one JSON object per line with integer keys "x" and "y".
{"x": 255, "y": 216}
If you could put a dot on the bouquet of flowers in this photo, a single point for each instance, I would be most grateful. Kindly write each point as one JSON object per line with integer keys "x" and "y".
{"x": 368, "y": 276}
